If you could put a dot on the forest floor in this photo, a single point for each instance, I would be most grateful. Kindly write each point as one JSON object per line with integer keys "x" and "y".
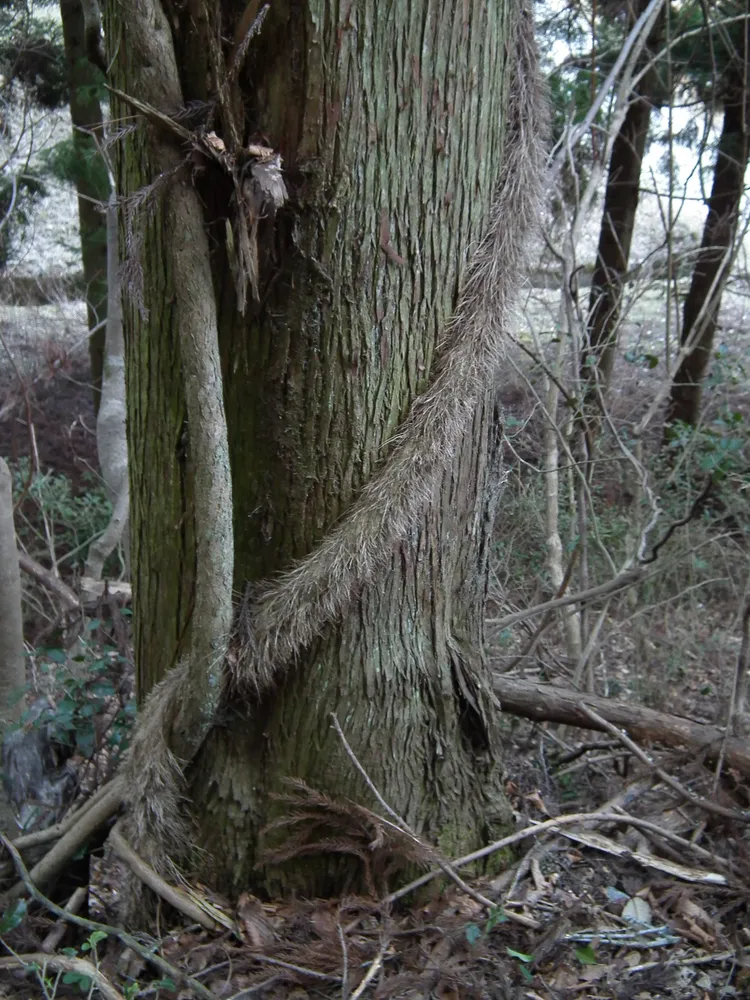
{"x": 652, "y": 902}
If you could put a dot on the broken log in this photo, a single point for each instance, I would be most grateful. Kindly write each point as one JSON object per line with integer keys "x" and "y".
{"x": 548, "y": 703}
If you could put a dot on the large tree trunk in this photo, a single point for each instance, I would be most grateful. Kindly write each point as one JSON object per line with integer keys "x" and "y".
{"x": 91, "y": 178}
{"x": 392, "y": 121}
{"x": 711, "y": 269}
{"x": 618, "y": 220}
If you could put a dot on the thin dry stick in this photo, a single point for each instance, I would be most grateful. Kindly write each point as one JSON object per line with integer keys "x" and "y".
{"x": 619, "y": 582}
{"x": 73, "y": 905}
{"x": 552, "y": 824}
{"x": 674, "y": 784}
{"x": 301, "y": 969}
{"x": 92, "y": 925}
{"x": 369, "y": 975}
{"x": 40, "y": 962}
{"x": 720, "y": 956}
{"x": 345, "y": 961}
{"x": 429, "y": 850}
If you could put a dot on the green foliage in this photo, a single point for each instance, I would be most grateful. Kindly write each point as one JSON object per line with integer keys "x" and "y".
{"x": 88, "y": 709}
{"x": 473, "y": 932}
{"x": 586, "y": 955}
{"x": 13, "y": 916}
{"x": 73, "y": 521}
{"x": 79, "y": 163}
{"x": 32, "y": 56}
{"x": 719, "y": 447}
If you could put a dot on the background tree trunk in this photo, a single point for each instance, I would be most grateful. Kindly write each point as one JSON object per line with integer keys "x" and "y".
{"x": 12, "y": 660}
{"x": 390, "y": 122}
{"x": 711, "y": 270}
{"x": 91, "y": 178}
{"x": 618, "y": 219}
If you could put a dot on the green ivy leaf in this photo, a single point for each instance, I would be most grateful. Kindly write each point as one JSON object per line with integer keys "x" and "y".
{"x": 13, "y": 916}
{"x": 473, "y": 934}
{"x": 586, "y": 955}
{"x": 521, "y": 956}
{"x": 496, "y": 916}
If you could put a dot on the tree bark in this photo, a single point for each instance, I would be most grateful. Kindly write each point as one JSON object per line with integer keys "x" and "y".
{"x": 546, "y": 703}
{"x": 711, "y": 269}
{"x": 92, "y": 181}
{"x": 12, "y": 660}
{"x": 392, "y": 124}
{"x": 618, "y": 220}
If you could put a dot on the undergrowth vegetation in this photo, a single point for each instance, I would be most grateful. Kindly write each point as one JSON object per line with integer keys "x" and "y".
{"x": 672, "y": 640}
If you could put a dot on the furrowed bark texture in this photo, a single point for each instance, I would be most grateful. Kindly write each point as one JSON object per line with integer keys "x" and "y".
{"x": 711, "y": 269}
{"x": 92, "y": 183}
{"x": 393, "y": 122}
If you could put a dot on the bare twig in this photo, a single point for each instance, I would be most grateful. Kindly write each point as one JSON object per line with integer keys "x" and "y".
{"x": 673, "y": 783}
{"x": 128, "y": 940}
{"x": 345, "y": 961}
{"x": 370, "y": 974}
{"x": 73, "y": 905}
{"x": 301, "y": 969}
{"x": 551, "y": 825}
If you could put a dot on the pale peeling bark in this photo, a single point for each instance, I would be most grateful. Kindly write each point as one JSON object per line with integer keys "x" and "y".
{"x": 111, "y": 436}
{"x": 203, "y": 438}
{"x": 396, "y": 130}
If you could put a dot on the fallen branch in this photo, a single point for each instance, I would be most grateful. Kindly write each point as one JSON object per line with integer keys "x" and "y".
{"x": 73, "y": 840}
{"x": 546, "y": 703}
{"x": 56, "y": 934}
{"x": 57, "y": 830}
{"x": 673, "y": 783}
{"x": 48, "y": 579}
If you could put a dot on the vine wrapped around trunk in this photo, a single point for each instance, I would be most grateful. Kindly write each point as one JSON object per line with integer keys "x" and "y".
{"x": 360, "y": 419}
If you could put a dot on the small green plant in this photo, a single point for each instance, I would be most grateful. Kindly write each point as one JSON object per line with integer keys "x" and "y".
{"x": 474, "y": 932}
{"x": 47, "y": 509}
{"x": 13, "y": 916}
{"x": 524, "y": 962}
{"x": 87, "y": 709}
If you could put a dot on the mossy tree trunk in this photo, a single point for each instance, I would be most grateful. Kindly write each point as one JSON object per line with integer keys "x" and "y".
{"x": 701, "y": 309}
{"x": 390, "y": 119}
{"x": 91, "y": 179}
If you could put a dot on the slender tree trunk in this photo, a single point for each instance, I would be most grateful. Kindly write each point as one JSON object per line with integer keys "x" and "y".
{"x": 392, "y": 122}
{"x": 618, "y": 220}
{"x": 702, "y": 304}
{"x": 92, "y": 182}
{"x": 12, "y": 661}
